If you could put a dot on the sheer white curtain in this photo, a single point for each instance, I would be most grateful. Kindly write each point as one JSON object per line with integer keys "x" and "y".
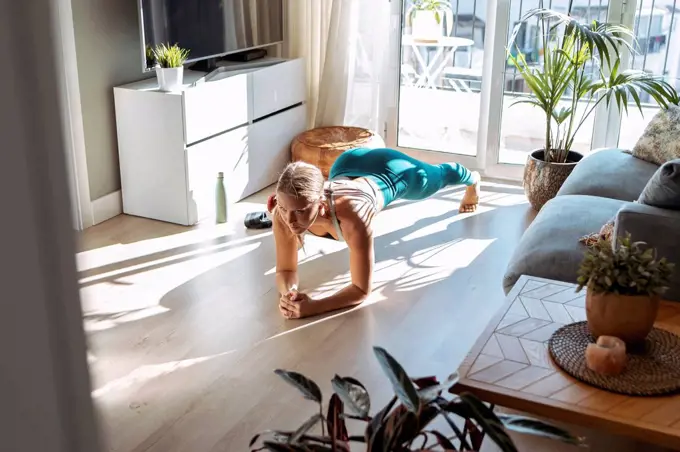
{"x": 346, "y": 44}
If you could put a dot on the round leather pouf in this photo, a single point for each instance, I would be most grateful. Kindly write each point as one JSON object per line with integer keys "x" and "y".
{"x": 321, "y": 146}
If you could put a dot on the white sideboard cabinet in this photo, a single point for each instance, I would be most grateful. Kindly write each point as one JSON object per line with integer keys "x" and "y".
{"x": 172, "y": 145}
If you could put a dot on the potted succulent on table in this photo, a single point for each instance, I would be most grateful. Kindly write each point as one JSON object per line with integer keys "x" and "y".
{"x": 580, "y": 71}
{"x": 405, "y": 423}
{"x": 169, "y": 66}
{"x": 624, "y": 283}
{"x": 425, "y": 18}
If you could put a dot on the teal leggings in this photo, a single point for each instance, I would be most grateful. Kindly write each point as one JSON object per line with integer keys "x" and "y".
{"x": 397, "y": 175}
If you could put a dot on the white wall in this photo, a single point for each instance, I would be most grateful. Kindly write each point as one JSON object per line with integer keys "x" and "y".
{"x": 109, "y": 54}
{"x": 45, "y": 402}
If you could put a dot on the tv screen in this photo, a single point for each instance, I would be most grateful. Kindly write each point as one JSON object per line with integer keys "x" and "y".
{"x": 211, "y": 28}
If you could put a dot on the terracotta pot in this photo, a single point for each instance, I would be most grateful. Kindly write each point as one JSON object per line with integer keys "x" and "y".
{"x": 628, "y": 317}
{"x": 542, "y": 180}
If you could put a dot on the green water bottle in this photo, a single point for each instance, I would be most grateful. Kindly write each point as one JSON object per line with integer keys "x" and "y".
{"x": 220, "y": 200}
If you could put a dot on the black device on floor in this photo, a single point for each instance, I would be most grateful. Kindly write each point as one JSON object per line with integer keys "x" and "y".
{"x": 257, "y": 220}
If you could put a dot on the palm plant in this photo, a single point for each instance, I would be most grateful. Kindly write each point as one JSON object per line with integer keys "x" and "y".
{"x": 569, "y": 57}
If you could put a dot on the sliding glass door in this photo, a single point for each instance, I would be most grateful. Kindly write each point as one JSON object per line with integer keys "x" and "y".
{"x": 441, "y": 80}
{"x": 455, "y": 89}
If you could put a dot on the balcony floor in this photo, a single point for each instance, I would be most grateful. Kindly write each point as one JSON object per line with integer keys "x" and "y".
{"x": 447, "y": 121}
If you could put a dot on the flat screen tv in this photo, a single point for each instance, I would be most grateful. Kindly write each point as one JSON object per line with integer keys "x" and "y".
{"x": 210, "y": 28}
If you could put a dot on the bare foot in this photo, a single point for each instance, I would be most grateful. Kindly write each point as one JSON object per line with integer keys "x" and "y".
{"x": 470, "y": 200}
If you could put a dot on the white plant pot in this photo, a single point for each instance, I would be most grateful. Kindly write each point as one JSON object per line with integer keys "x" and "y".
{"x": 170, "y": 78}
{"x": 425, "y": 26}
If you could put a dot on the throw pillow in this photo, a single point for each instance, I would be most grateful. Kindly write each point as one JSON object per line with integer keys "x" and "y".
{"x": 662, "y": 190}
{"x": 660, "y": 141}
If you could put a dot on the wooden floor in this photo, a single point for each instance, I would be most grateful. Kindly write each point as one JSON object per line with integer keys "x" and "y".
{"x": 184, "y": 332}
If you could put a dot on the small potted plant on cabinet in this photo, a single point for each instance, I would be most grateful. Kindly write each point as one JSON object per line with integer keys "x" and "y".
{"x": 169, "y": 66}
{"x": 405, "y": 423}
{"x": 624, "y": 284}
{"x": 150, "y": 57}
{"x": 425, "y": 18}
{"x": 580, "y": 71}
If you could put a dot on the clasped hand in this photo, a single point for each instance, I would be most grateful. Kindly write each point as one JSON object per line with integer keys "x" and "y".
{"x": 296, "y": 305}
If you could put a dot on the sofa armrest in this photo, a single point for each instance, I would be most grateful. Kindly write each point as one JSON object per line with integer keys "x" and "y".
{"x": 659, "y": 228}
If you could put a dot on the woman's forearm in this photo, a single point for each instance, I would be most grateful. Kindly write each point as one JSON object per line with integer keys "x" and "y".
{"x": 345, "y": 298}
{"x": 286, "y": 281}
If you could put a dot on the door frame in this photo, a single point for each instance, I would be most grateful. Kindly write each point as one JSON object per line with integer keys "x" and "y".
{"x": 72, "y": 116}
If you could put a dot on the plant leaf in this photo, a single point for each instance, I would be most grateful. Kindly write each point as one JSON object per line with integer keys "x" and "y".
{"x": 355, "y": 417}
{"x": 279, "y": 436}
{"x": 401, "y": 383}
{"x": 442, "y": 440}
{"x": 304, "y": 428}
{"x": 414, "y": 424}
{"x": 457, "y": 407}
{"x": 309, "y": 389}
{"x": 337, "y": 428}
{"x": 464, "y": 445}
{"x": 430, "y": 393}
{"x": 522, "y": 424}
{"x": 374, "y": 428}
{"x": 384, "y": 431}
{"x": 401, "y": 427}
{"x": 353, "y": 394}
{"x": 489, "y": 422}
{"x": 476, "y": 436}
{"x": 278, "y": 447}
{"x": 425, "y": 382}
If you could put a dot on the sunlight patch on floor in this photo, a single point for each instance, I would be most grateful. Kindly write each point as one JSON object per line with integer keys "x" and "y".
{"x": 100, "y": 321}
{"x": 139, "y": 288}
{"x": 172, "y": 259}
{"x": 121, "y": 252}
{"x": 144, "y": 374}
{"x": 441, "y": 265}
{"x": 315, "y": 248}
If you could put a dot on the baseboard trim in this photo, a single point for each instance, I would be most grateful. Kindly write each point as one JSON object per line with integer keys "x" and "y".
{"x": 107, "y": 207}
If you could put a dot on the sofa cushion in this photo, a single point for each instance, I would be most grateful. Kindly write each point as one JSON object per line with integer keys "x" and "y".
{"x": 610, "y": 173}
{"x": 663, "y": 189}
{"x": 550, "y": 247}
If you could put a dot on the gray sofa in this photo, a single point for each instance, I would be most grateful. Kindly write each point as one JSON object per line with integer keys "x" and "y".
{"x": 602, "y": 186}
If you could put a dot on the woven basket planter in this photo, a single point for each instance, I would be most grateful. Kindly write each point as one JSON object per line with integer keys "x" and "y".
{"x": 320, "y": 147}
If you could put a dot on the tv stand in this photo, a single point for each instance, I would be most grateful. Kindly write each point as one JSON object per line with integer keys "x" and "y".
{"x": 172, "y": 145}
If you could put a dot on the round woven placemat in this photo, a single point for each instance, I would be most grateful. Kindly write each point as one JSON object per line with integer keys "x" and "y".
{"x": 653, "y": 367}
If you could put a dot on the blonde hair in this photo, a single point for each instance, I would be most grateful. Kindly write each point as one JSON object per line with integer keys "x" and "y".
{"x": 303, "y": 181}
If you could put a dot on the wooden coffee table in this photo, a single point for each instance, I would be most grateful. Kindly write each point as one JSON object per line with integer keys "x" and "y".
{"x": 510, "y": 366}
